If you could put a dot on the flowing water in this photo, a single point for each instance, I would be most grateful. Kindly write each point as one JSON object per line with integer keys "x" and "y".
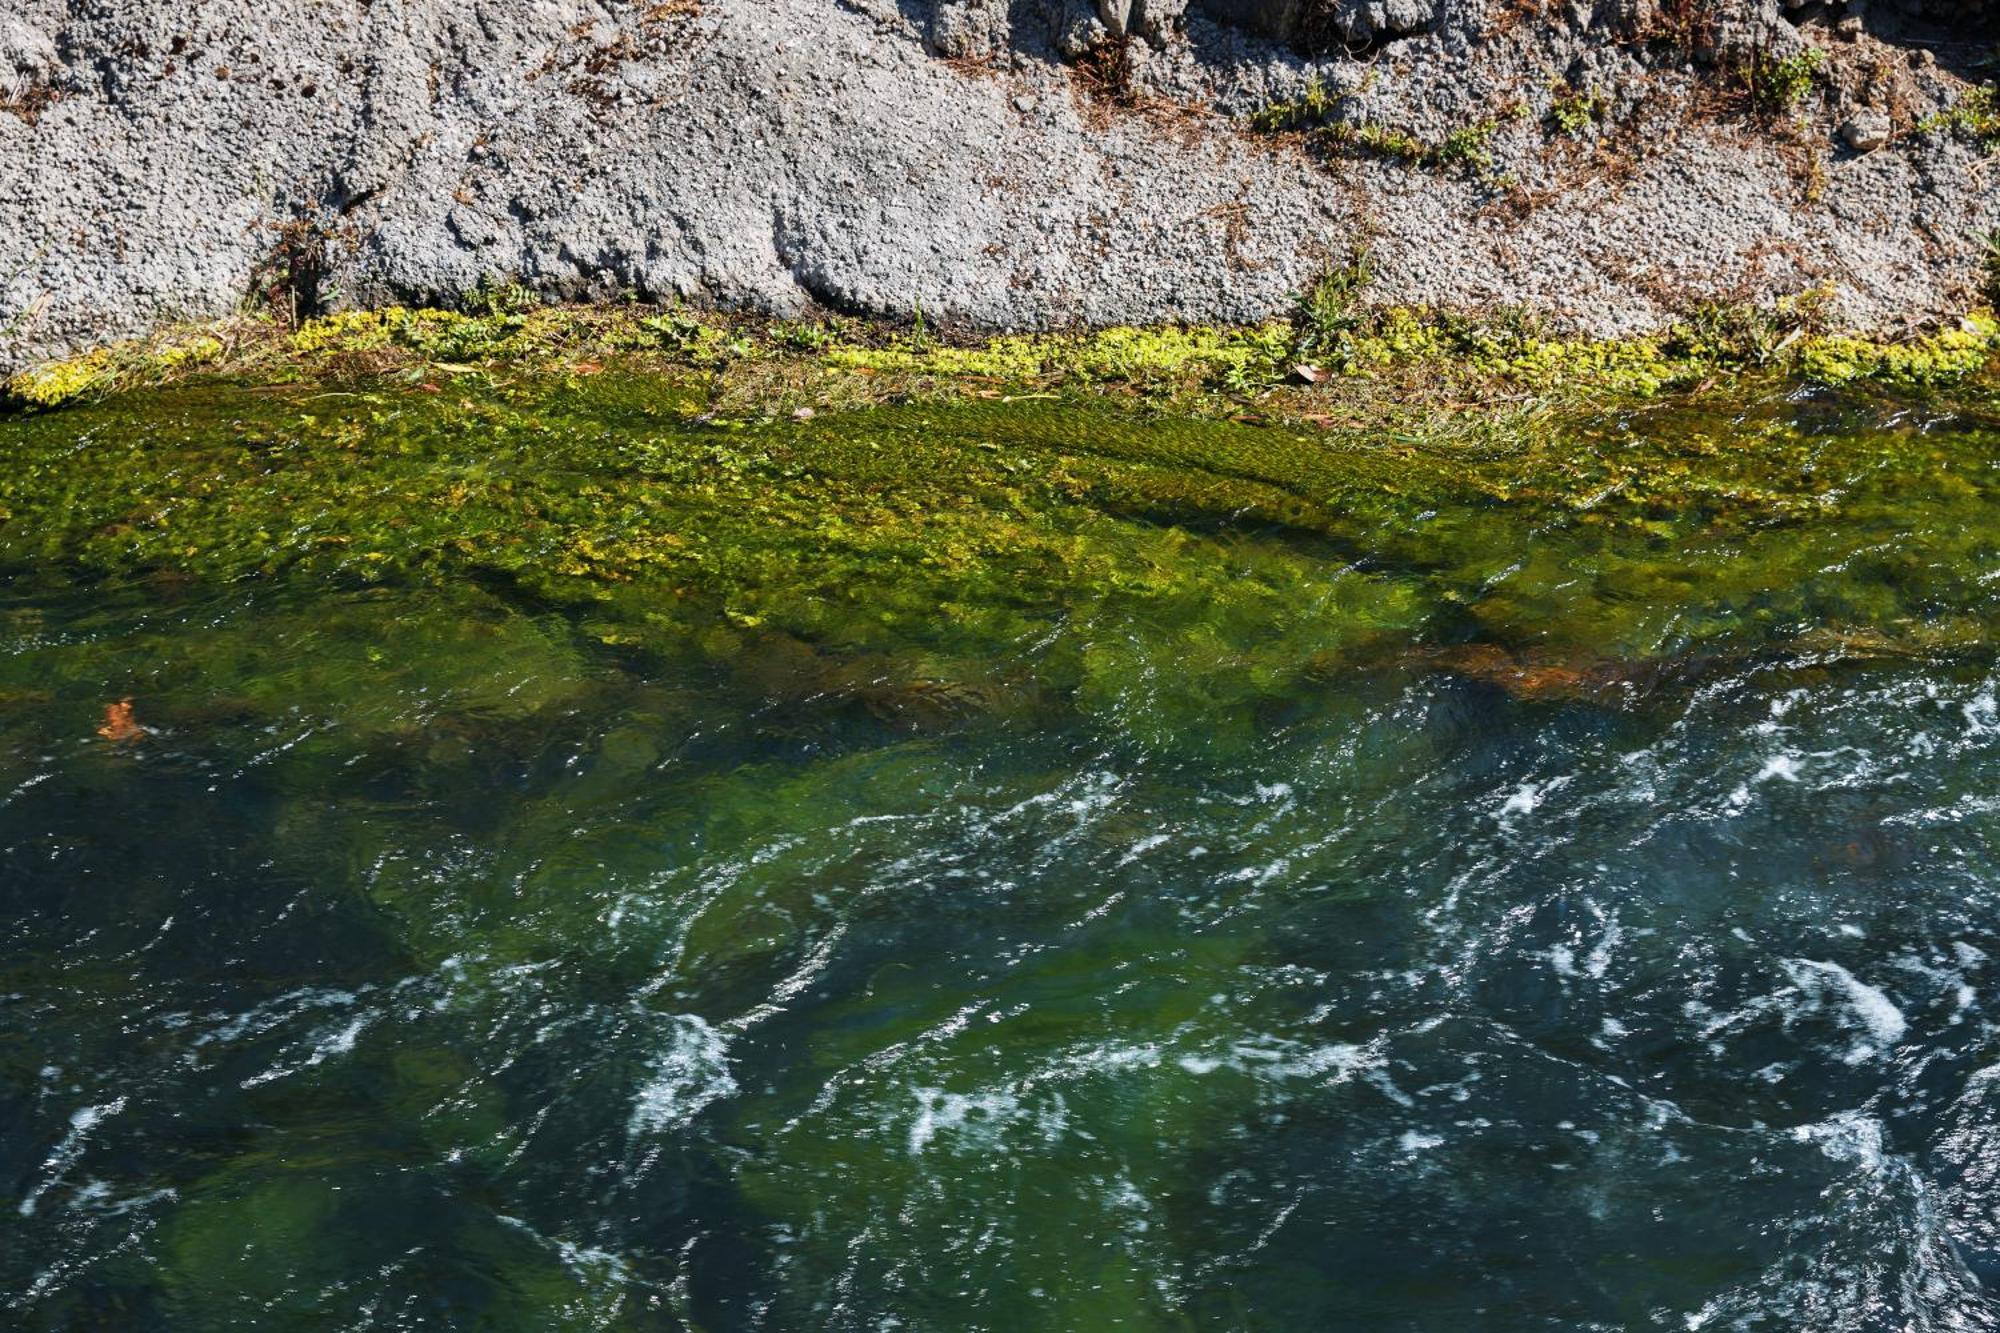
{"x": 549, "y": 860}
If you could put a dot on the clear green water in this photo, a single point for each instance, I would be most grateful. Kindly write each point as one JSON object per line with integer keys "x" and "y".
{"x": 1009, "y": 867}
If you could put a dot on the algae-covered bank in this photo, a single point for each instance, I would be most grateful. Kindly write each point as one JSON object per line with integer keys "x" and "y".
{"x": 901, "y": 839}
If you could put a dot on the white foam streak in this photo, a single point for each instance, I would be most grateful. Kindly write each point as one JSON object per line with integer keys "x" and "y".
{"x": 1872, "y": 1008}
{"x": 692, "y": 1072}
{"x": 64, "y": 1155}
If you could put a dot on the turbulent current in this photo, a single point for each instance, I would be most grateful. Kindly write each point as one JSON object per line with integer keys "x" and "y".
{"x": 567, "y": 862}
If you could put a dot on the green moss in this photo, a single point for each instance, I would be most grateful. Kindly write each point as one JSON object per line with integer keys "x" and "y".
{"x": 440, "y": 335}
{"x": 1940, "y": 359}
{"x": 1120, "y": 354}
{"x": 59, "y": 382}
{"x": 751, "y": 369}
{"x": 159, "y": 359}
{"x": 1331, "y": 328}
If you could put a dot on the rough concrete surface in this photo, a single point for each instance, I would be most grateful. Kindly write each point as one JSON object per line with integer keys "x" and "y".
{"x": 998, "y": 163}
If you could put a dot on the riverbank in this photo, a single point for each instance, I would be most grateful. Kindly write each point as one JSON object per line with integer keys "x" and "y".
{"x": 1070, "y": 164}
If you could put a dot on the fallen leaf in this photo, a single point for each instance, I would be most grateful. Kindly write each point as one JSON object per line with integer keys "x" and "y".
{"x": 119, "y": 725}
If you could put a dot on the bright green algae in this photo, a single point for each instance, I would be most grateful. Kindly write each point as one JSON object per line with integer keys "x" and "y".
{"x": 1332, "y": 332}
{"x": 1177, "y": 578}
{"x": 578, "y": 714}
{"x": 962, "y": 526}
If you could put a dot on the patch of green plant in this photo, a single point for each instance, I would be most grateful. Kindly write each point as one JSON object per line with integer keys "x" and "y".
{"x": 1125, "y": 355}
{"x": 1315, "y": 111}
{"x": 699, "y": 341}
{"x": 1714, "y": 331}
{"x": 168, "y": 356}
{"x": 494, "y": 297}
{"x": 1975, "y": 116}
{"x": 1313, "y": 107}
{"x": 1330, "y": 308}
{"x": 1576, "y": 113}
{"x": 1381, "y": 141}
{"x": 1468, "y": 146}
{"x": 816, "y": 366}
{"x": 440, "y": 335}
{"x": 59, "y": 382}
{"x": 1778, "y": 87}
{"x": 957, "y": 529}
{"x": 1943, "y": 358}
{"x": 805, "y": 335}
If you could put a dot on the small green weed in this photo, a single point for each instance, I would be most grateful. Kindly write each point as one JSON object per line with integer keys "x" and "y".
{"x": 1312, "y": 108}
{"x": 498, "y": 296}
{"x": 1975, "y": 115}
{"x": 699, "y": 343}
{"x": 1315, "y": 113}
{"x": 1576, "y": 114}
{"x": 1779, "y": 87}
{"x": 805, "y": 335}
{"x": 1329, "y": 308}
{"x": 1469, "y": 147}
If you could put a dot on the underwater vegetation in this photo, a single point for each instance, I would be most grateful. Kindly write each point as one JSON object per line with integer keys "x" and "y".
{"x": 498, "y": 832}
{"x": 963, "y": 525}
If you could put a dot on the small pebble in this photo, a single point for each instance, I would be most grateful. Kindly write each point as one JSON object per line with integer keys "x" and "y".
{"x": 1866, "y": 131}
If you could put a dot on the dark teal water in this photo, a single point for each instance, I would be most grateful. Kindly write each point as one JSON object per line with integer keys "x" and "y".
{"x": 428, "y": 961}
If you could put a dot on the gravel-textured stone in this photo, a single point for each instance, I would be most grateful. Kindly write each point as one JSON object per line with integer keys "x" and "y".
{"x": 1865, "y": 131}
{"x": 161, "y": 161}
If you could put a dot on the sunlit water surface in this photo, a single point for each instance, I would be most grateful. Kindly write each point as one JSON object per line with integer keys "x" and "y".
{"x": 419, "y": 955}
